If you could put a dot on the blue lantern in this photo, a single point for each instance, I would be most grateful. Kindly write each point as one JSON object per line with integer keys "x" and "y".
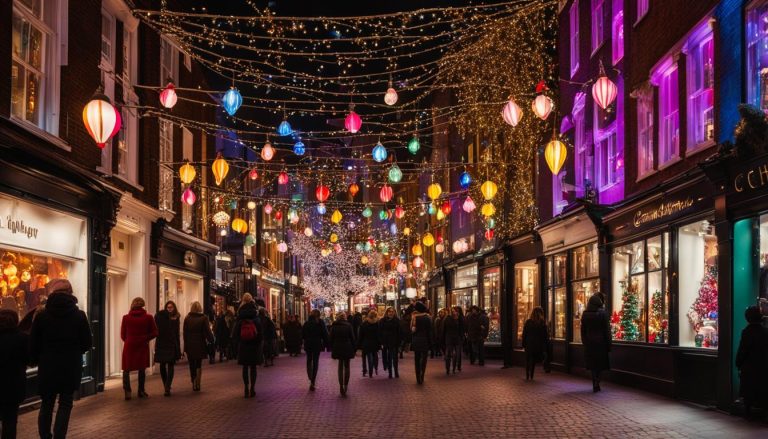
{"x": 233, "y": 204}
{"x": 232, "y": 101}
{"x": 321, "y": 209}
{"x": 284, "y": 129}
{"x": 298, "y": 148}
{"x": 465, "y": 180}
{"x": 393, "y": 229}
{"x": 432, "y": 209}
{"x": 379, "y": 153}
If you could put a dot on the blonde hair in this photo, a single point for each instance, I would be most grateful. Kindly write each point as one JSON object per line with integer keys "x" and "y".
{"x": 247, "y": 298}
{"x": 196, "y": 307}
{"x": 138, "y": 302}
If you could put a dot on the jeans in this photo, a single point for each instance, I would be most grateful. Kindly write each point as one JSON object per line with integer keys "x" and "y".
{"x": 344, "y": 372}
{"x": 127, "y": 380}
{"x": 453, "y": 356}
{"x": 313, "y": 360}
{"x": 166, "y": 373}
{"x": 389, "y": 358}
{"x": 420, "y": 358}
{"x": 45, "y": 416}
{"x": 9, "y": 415}
{"x": 477, "y": 352}
{"x": 372, "y": 358}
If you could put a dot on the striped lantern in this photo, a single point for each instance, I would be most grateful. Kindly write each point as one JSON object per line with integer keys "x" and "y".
{"x": 604, "y": 91}
{"x": 512, "y": 113}
{"x": 101, "y": 119}
{"x": 168, "y": 96}
{"x": 386, "y": 193}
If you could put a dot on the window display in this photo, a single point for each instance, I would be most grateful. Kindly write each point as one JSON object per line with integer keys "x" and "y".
{"x": 491, "y": 297}
{"x": 24, "y": 276}
{"x": 464, "y": 298}
{"x": 585, "y": 283}
{"x": 556, "y": 278}
{"x": 466, "y": 276}
{"x": 526, "y": 293}
{"x": 697, "y": 244}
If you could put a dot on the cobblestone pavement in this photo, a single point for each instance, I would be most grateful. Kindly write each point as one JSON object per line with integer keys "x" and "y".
{"x": 479, "y": 402}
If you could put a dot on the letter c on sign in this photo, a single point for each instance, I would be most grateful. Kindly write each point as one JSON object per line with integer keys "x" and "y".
{"x": 738, "y": 183}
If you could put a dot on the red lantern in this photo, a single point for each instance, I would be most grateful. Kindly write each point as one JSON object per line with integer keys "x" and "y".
{"x": 489, "y": 234}
{"x": 282, "y": 178}
{"x": 168, "y": 96}
{"x": 386, "y": 193}
{"x": 322, "y": 193}
{"x": 439, "y": 237}
{"x": 604, "y": 91}
{"x": 279, "y": 215}
{"x": 254, "y": 174}
{"x": 353, "y": 189}
{"x": 353, "y": 122}
{"x": 418, "y": 262}
{"x": 399, "y": 212}
{"x": 101, "y": 119}
{"x": 446, "y": 207}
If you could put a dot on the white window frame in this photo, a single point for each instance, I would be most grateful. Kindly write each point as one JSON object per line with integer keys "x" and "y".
{"x": 597, "y": 15}
{"x": 187, "y": 61}
{"x": 165, "y": 186}
{"x": 558, "y": 185}
{"x": 697, "y": 119}
{"x": 606, "y": 151}
{"x": 668, "y": 149}
{"x": 573, "y": 17}
{"x": 617, "y": 44}
{"x": 168, "y": 68}
{"x": 107, "y": 72}
{"x": 645, "y": 125}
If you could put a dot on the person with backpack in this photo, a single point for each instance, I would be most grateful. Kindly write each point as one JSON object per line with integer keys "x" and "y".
{"x": 248, "y": 333}
{"x": 315, "y": 336}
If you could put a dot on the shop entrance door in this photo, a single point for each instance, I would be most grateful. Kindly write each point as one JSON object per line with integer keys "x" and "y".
{"x": 118, "y": 304}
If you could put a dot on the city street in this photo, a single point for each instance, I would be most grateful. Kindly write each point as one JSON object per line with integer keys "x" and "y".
{"x": 478, "y": 402}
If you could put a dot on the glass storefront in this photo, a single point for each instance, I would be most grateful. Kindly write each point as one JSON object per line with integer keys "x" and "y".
{"x": 698, "y": 288}
{"x": 182, "y": 287}
{"x": 585, "y": 282}
{"x": 491, "y": 302}
{"x": 526, "y": 293}
{"x": 556, "y": 292}
{"x": 465, "y": 292}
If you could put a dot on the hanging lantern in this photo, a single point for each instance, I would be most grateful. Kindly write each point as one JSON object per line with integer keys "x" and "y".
{"x": 431, "y": 209}
{"x": 322, "y": 192}
{"x": 489, "y": 234}
{"x": 488, "y": 210}
{"x": 383, "y": 214}
{"x": 336, "y": 217}
{"x": 253, "y": 174}
{"x": 393, "y": 229}
{"x": 232, "y": 101}
{"x": 220, "y": 169}
{"x": 385, "y": 194}
{"x": 353, "y": 122}
{"x": 390, "y": 97}
{"x": 428, "y": 240}
{"x": 268, "y": 209}
{"x": 439, "y": 248}
{"x": 399, "y": 212}
{"x": 187, "y": 173}
{"x": 407, "y": 231}
{"x": 325, "y": 252}
{"x": 188, "y": 196}
{"x": 555, "y": 154}
{"x": 491, "y": 223}
{"x": 333, "y": 238}
{"x": 379, "y": 153}
{"x": 221, "y": 218}
{"x": 417, "y": 263}
{"x": 416, "y": 250}
{"x": 413, "y": 145}
{"x": 298, "y": 148}
{"x": 337, "y": 248}
{"x": 542, "y": 106}
{"x": 267, "y": 152}
{"x": 168, "y": 96}
{"x": 489, "y": 190}
{"x": 604, "y": 91}
{"x": 321, "y": 209}
{"x": 456, "y": 246}
{"x": 282, "y": 247}
{"x": 354, "y": 189}
{"x": 282, "y": 178}
{"x": 101, "y": 119}
{"x": 251, "y": 205}
{"x": 512, "y": 113}
{"x": 364, "y": 260}
{"x": 446, "y": 207}
{"x": 402, "y": 268}
{"x": 279, "y": 215}
{"x": 367, "y": 212}
{"x": 239, "y": 226}
{"x": 250, "y": 241}
{"x": 395, "y": 174}
{"x": 293, "y": 216}
{"x": 434, "y": 190}
{"x": 440, "y": 215}
{"x": 284, "y": 129}
{"x": 465, "y": 180}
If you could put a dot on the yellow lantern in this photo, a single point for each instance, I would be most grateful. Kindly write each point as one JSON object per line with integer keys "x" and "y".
{"x": 364, "y": 260}
{"x": 336, "y": 217}
{"x": 555, "y": 154}
{"x": 440, "y": 215}
{"x": 428, "y": 240}
{"x": 187, "y": 173}
{"x": 239, "y": 226}
{"x": 407, "y": 231}
{"x": 416, "y": 250}
{"x": 489, "y": 190}
{"x": 334, "y": 237}
{"x": 220, "y": 169}
{"x": 488, "y": 210}
{"x": 434, "y": 190}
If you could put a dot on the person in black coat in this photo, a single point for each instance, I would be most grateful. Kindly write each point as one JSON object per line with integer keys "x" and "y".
{"x": 222, "y": 333}
{"x": 405, "y": 332}
{"x": 453, "y": 339}
{"x": 14, "y": 356}
{"x": 535, "y": 341}
{"x": 596, "y": 338}
{"x": 437, "y": 347}
{"x": 270, "y": 337}
{"x": 248, "y": 334}
{"x": 752, "y": 361}
{"x": 343, "y": 342}
{"x": 370, "y": 342}
{"x": 391, "y": 334}
{"x": 292, "y": 335}
{"x": 315, "y": 336}
{"x": 168, "y": 343}
{"x": 421, "y": 327}
{"x": 60, "y": 336}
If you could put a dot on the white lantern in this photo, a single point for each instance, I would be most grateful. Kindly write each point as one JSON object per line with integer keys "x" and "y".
{"x": 308, "y": 232}
{"x": 251, "y": 205}
{"x": 542, "y": 106}
{"x": 402, "y": 268}
{"x": 604, "y": 91}
{"x": 410, "y": 292}
{"x": 282, "y": 247}
{"x": 512, "y": 113}
{"x": 390, "y": 98}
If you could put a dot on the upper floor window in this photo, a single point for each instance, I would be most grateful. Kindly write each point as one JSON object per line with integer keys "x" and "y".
{"x": 757, "y": 55}
{"x": 669, "y": 115}
{"x": 608, "y": 160}
{"x": 582, "y": 147}
{"x": 700, "y": 88}
{"x": 169, "y": 61}
{"x": 165, "y": 196}
{"x": 617, "y": 31}
{"x": 642, "y": 8}
{"x": 559, "y": 193}
{"x": 573, "y": 15}
{"x": 107, "y": 37}
{"x": 598, "y": 25}
{"x": 644, "y": 131}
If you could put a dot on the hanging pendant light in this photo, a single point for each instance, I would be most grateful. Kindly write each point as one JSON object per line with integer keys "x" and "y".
{"x": 416, "y": 250}
{"x": 367, "y": 212}
{"x": 278, "y": 215}
{"x": 383, "y": 214}
{"x": 417, "y": 263}
{"x": 604, "y": 91}
{"x": 354, "y": 189}
{"x": 253, "y": 174}
{"x": 168, "y": 96}
{"x": 465, "y": 180}
{"x": 220, "y": 169}
{"x": 428, "y": 240}
{"x": 251, "y": 205}
{"x": 413, "y": 145}
{"x": 267, "y": 152}
{"x": 232, "y": 101}
{"x": 407, "y": 231}
{"x": 469, "y": 205}
{"x": 555, "y": 154}
{"x": 395, "y": 174}
{"x": 489, "y": 190}
{"x": 187, "y": 173}
{"x": 385, "y": 194}
{"x": 298, "y": 148}
{"x": 268, "y": 209}
{"x": 542, "y": 105}
{"x": 399, "y": 212}
{"x": 282, "y": 247}
{"x": 308, "y": 232}
{"x": 322, "y": 193}
{"x": 321, "y": 209}
{"x": 488, "y": 210}
{"x": 352, "y": 122}
{"x": 446, "y": 207}
{"x": 336, "y": 217}
{"x": 512, "y": 113}
{"x": 379, "y": 153}
{"x": 282, "y": 178}
{"x": 284, "y": 129}
{"x": 390, "y": 97}
{"x": 240, "y": 226}
{"x": 402, "y": 268}
{"x": 434, "y": 190}
{"x": 101, "y": 119}
{"x": 188, "y": 196}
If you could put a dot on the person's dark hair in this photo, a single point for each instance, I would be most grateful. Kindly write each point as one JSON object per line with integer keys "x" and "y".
{"x": 175, "y": 312}
{"x": 596, "y": 302}
{"x": 9, "y": 319}
{"x": 752, "y": 314}
{"x": 315, "y": 314}
{"x": 421, "y": 307}
{"x": 537, "y": 315}
{"x": 260, "y": 302}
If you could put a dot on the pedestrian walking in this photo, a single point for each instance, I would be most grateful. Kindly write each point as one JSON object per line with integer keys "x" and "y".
{"x": 197, "y": 335}
{"x": 270, "y": 337}
{"x": 421, "y": 327}
{"x": 477, "y": 333}
{"x": 229, "y": 318}
{"x": 370, "y": 342}
{"x": 405, "y": 333}
{"x": 248, "y": 334}
{"x": 315, "y": 336}
{"x": 752, "y": 362}
{"x": 596, "y": 338}
{"x": 535, "y": 341}
{"x": 292, "y": 335}
{"x": 343, "y": 342}
{"x": 60, "y": 336}
{"x": 168, "y": 343}
{"x": 14, "y": 356}
{"x": 437, "y": 346}
{"x": 453, "y": 339}
{"x": 357, "y": 323}
{"x": 222, "y": 332}
{"x": 137, "y": 329}
{"x": 391, "y": 335}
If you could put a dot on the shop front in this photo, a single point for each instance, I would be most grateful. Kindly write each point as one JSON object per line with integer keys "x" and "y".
{"x": 436, "y": 292}
{"x": 270, "y": 286}
{"x": 521, "y": 294}
{"x": 464, "y": 291}
{"x": 491, "y": 273}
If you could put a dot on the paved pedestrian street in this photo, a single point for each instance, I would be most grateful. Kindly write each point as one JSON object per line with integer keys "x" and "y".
{"x": 480, "y": 402}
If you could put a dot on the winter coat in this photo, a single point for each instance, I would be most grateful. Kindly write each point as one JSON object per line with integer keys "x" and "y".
{"x": 342, "y": 339}
{"x": 197, "y": 335}
{"x": 292, "y": 335}
{"x": 249, "y": 352}
{"x": 752, "y": 362}
{"x": 439, "y": 332}
{"x": 475, "y": 328}
{"x": 405, "y": 328}
{"x": 315, "y": 335}
{"x": 14, "y": 356}
{"x": 222, "y": 330}
{"x": 59, "y": 338}
{"x": 596, "y": 338}
{"x": 136, "y": 330}
{"x": 369, "y": 340}
{"x": 168, "y": 342}
{"x": 535, "y": 339}
{"x": 453, "y": 331}
{"x": 485, "y": 323}
{"x": 270, "y": 330}
{"x": 422, "y": 336}
{"x": 390, "y": 332}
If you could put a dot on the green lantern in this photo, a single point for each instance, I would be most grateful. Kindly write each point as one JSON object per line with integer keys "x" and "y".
{"x": 250, "y": 241}
{"x": 395, "y": 174}
{"x": 367, "y": 212}
{"x": 383, "y": 215}
{"x": 413, "y": 145}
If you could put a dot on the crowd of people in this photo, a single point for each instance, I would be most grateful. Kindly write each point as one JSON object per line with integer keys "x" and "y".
{"x": 57, "y": 333}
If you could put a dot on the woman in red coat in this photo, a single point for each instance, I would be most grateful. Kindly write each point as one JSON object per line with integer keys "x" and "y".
{"x": 137, "y": 330}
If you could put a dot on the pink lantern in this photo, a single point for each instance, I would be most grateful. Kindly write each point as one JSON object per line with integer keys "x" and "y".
{"x": 188, "y": 196}
{"x": 512, "y": 113}
{"x": 353, "y": 122}
{"x": 337, "y": 248}
{"x": 542, "y": 106}
{"x": 386, "y": 193}
{"x": 604, "y": 91}
{"x": 282, "y": 247}
{"x": 322, "y": 192}
{"x": 268, "y": 209}
{"x": 418, "y": 262}
{"x": 282, "y": 178}
{"x": 267, "y": 152}
{"x": 439, "y": 248}
{"x": 402, "y": 268}
{"x": 253, "y": 174}
{"x": 168, "y": 96}
{"x": 469, "y": 205}
{"x": 101, "y": 119}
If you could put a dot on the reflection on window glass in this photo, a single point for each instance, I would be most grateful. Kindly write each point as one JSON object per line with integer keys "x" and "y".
{"x": 491, "y": 297}
{"x": 23, "y": 279}
{"x": 560, "y": 266}
{"x": 582, "y": 291}
{"x": 560, "y": 312}
{"x": 526, "y": 292}
{"x": 698, "y": 285}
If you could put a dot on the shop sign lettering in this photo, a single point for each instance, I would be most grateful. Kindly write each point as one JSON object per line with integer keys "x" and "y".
{"x": 751, "y": 179}
{"x": 664, "y": 210}
{"x": 17, "y": 226}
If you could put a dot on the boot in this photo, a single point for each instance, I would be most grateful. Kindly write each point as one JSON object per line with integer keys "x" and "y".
{"x": 246, "y": 393}
{"x": 252, "y": 390}
{"x": 167, "y": 389}
{"x": 198, "y": 377}
{"x": 595, "y": 386}
{"x": 312, "y": 386}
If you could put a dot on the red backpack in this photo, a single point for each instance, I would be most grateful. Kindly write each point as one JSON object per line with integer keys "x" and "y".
{"x": 248, "y": 330}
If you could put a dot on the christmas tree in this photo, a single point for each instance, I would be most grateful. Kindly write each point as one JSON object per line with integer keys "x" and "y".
{"x": 657, "y": 324}
{"x": 705, "y": 305}
{"x": 630, "y": 312}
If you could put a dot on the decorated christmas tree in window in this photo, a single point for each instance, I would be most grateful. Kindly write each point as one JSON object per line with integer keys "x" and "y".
{"x": 703, "y": 312}
{"x": 625, "y": 323}
{"x": 657, "y": 324}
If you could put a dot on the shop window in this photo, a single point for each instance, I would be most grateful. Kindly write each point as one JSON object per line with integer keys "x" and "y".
{"x": 644, "y": 131}
{"x": 585, "y": 274}
{"x": 642, "y": 9}
{"x": 641, "y": 291}
{"x": 169, "y": 61}
{"x": 598, "y": 25}
{"x": 526, "y": 293}
{"x": 465, "y": 284}
{"x": 166, "y": 159}
{"x": 698, "y": 286}
{"x": 573, "y": 15}
{"x": 583, "y": 162}
{"x": 556, "y": 300}
{"x": 669, "y": 117}
{"x": 757, "y": 54}
{"x": 617, "y": 31}
{"x": 491, "y": 302}
{"x": 700, "y": 51}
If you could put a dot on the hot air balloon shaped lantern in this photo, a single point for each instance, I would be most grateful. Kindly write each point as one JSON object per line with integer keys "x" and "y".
{"x": 542, "y": 105}
{"x": 267, "y": 152}
{"x": 232, "y": 100}
{"x": 220, "y": 169}
{"x": 168, "y": 96}
{"x": 385, "y": 194}
{"x": 101, "y": 118}
{"x": 187, "y": 173}
{"x": 604, "y": 91}
{"x": 555, "y": 154}
{"x": 379, "y": 153}
{"x": 512, "y": 113}
{"x": 353, "y": 122}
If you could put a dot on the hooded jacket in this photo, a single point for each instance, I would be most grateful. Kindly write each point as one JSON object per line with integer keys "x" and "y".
{"x": 369, "y": 340}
